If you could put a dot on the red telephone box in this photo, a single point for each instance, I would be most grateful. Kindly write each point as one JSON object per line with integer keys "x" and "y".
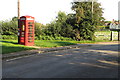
{"x": 26, "y": 30}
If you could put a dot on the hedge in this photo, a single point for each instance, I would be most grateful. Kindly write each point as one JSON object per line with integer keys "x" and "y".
{"x": 13, "y": 37}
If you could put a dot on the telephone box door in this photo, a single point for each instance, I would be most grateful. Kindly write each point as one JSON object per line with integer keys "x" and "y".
{"x": 22, "y": 32}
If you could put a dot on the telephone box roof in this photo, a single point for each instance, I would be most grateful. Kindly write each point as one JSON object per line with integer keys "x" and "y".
{"x": 27, "y": 16}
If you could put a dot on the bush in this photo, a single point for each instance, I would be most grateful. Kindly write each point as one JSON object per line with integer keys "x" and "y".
{"x": 9, "y": 27}
{"x": 13, "y": 37}
{"x": 41, "y": 37}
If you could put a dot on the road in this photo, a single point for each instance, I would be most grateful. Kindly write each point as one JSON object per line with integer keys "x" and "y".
{"x": 96, "y": 61}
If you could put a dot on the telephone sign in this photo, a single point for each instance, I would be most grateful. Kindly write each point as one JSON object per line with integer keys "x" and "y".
{"x": 26, "y": 32}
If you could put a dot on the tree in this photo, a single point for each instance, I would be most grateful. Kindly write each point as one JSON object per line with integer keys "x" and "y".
{"x": 9, "y": 27}
{"x": 15, "y": 18}
{"x": 39, "y": 29}
{"x": 60, "y": 27}
{"x": 66, "y": 30}
{"x": 86, "y": 21}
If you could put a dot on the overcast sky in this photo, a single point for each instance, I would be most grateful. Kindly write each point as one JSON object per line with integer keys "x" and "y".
{"x": 45, "y": 11}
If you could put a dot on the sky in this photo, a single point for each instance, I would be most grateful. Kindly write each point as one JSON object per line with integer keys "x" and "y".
{"x": 46, "y": 11}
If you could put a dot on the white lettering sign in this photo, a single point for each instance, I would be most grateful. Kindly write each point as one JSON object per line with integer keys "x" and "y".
{"x": 30, "y": 19}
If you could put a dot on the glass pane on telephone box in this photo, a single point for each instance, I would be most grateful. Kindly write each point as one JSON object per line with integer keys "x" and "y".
{"x": 30, "y": 32}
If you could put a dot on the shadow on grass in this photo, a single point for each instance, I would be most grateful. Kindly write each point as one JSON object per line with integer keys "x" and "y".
{"x": 13, "y": 46}
{"x": 63, "y": 43}
{"x": 9, "y": 42}
{"x": 10, "y": 49}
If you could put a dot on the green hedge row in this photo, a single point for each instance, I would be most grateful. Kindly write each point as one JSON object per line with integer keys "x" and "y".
{"x": 51, "y": 38}
{"x": 15, "y": 37}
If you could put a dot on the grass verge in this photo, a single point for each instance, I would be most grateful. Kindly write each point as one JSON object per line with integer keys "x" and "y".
{"x": 9, "y": 46}
{"x": 52, "y": 43}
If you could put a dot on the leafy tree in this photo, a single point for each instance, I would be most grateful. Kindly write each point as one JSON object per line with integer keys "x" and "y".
{"x": 65, "y": 29}
{"x": 60, "y": 27}
{"x": 9, "y": 27}
{"x": 15, "y": 18}
{"x": 85, "y": 20}
{"x": 39, "y": 29}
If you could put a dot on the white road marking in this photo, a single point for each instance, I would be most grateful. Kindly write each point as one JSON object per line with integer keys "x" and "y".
{"x": 18, "y": 58}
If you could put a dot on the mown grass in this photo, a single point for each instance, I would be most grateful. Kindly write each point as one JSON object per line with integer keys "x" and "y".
{"x": 9, "y": 46}
{"x": 52, "y": 43}
{"x": 57, "y": 43}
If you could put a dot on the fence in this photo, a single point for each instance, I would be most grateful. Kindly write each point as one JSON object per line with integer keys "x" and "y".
{"x": 106, "y": 35}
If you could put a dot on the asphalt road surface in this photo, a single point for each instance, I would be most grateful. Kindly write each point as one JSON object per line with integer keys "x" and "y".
{"x": 96, "y": 61}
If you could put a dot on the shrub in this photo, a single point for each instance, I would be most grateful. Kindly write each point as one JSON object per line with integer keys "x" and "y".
{"x": 13, "y": 37}
{"x": 41, "y": 37}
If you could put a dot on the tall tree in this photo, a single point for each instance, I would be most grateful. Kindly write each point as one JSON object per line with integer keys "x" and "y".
{"x": 86, "y": 20}
{"x": 60, "y": 27}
